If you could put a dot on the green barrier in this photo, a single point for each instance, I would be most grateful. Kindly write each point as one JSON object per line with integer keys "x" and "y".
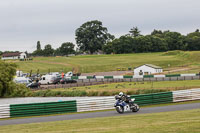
{"x": 90, "y": 77}
{"x": 127, "y": 76}
{"x": 108, "y": 77}
{"x": 155, "y": 98}
{"x": 173, "y": 75}
{"x": 148, "y": 76}
{"x": 74, "y": 77}
{"x": 34, "y": 109}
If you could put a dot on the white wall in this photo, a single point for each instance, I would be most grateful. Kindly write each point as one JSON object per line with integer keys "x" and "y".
{"x": 6, "y": 58}
{"x": 148, "y": 69}
{"x": 23, "y": 56}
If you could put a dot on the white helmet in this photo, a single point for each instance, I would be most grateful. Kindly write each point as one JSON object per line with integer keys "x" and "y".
{"x": 121, "y": 94}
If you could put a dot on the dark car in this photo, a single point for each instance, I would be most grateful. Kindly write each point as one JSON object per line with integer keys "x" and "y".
{"x": 56, "y": 80}
{"x": 34, "y": 85}
{"x": 67, "y": 80}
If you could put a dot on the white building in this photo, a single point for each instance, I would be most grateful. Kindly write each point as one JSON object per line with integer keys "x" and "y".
{"x": 16, "y": 55}
{"x": 147, "y": 69}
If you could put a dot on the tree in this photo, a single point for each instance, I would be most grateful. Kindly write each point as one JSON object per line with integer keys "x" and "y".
{"x": 158, "y": 44}
{"x": 38, "y": 51}
{"x": 57, "y": 52}
{"x": 108, "y": 48}
{"x": 7, "y": 72}
{"x": 193, "y": 40}
{"x": 38, "y": 45}
{"x": 174, "y": 40}
{"x": 48, "y": 50}
{"x": 157, "y": 33}
{"x": 91, "y": 36}
{"x": 143, "y": 44}
{"x": 135, "y": 32}
{"x": 125, "y": 44}
{"x": 67, "y": 48}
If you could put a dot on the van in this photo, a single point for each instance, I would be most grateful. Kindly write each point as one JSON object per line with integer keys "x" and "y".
{"x": 47, "y": 79}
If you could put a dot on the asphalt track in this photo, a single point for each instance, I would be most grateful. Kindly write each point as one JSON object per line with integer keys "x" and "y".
{"x": 98, "y": 114}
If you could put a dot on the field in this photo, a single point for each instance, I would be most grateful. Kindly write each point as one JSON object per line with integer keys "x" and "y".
{"x": 173, "y": 122}
{"x": 173, "y": 60}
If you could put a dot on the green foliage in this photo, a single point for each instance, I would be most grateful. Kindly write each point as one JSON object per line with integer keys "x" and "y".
{"x": 79, "y": 93}
{"x": 108, "y": 48}
{"x": 7, "y": 87}
{"x": 67, "y": 48}
{"x": 135, "y": 32}
{"x": 174, "y": 41}
{"x": 38, "y": 45}
{"x": 193, "y": 40}
{"x": 125, "y": 44}
{"x": 48, "y": 50}
{"x": 91, "y": 36}
{"x": 19, "y": 90}
{"x": 7, "y": 72}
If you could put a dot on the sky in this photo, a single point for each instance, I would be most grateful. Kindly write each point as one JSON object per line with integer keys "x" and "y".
{"x": 24, "y": 22}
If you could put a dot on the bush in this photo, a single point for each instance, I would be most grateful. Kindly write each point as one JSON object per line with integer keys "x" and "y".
{"x": 18, "y": 90}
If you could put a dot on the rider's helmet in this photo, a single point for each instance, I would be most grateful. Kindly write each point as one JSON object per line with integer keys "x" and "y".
{"x": 121, "y": 94}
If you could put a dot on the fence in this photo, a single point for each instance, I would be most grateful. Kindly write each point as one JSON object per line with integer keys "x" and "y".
{"x": 33, "y": 109}
{"x": 186, "y": 95}
{"x": 92, "y": 104}
{"x": 90, "y": 80}
{"x": 4, "y": 111}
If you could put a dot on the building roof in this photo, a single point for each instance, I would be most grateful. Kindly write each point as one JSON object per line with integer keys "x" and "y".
{"x": 11, "y": 54}
{"x": 150, "y": 65}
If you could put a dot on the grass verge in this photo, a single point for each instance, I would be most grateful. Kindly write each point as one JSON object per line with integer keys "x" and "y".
{"x": 173, "y": 122}
{"x": 130, "y": 88}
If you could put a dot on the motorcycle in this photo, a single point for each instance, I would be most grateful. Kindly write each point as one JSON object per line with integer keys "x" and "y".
{"x": 121, "y": 106}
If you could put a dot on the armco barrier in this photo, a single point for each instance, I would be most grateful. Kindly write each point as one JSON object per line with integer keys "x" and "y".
{"x": 108, "y": 102}
{"x": 4, "y": 111}
{"x": 134, "y": 76}
{"x": 92, "y": 104}
{"x": 155, "y": 98}
{"x": 34, "y": 109}
{"x": 186, "y": 95}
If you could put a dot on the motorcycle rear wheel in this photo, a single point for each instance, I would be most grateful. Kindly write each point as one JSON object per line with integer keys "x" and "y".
{"x": 120, "y": 109}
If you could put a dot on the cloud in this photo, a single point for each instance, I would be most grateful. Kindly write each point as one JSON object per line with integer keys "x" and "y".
{"x": 24, "y": 22}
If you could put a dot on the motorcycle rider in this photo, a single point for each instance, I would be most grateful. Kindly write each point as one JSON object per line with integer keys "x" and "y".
{"x": 125, "y": 98}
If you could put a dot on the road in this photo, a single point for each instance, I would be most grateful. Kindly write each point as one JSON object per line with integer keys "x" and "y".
{"x": 98, "y": 114}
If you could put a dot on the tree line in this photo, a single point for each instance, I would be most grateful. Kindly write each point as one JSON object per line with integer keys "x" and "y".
{"x": 65, "y": 49}
{"x": 93, "y": 37}
{"x": 157, "y": 41}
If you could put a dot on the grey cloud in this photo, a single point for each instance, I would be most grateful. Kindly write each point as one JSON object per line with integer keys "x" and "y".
{"x": 23, "y": 22}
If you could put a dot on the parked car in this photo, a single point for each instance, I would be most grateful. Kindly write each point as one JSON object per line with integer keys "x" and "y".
{"x": 67, "y": 80}
{"x": 56, "y": 80}
{"x": 22, "y": 80}
{"x": 33, "y": 85}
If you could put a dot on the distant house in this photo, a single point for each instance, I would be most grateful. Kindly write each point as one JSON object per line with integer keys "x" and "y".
{"x": 147, "y": 69}
{"x": 16, "y": 55}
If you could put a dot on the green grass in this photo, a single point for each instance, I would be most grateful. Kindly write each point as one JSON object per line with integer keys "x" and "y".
{"x": 173, "y": 122}
{"x": 103, "y": 63}
{"x": 131, "y": 86}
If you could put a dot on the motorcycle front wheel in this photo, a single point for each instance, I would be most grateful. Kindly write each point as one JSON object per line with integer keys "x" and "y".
{"x": 136, "y": 108}
{"x": 120, "y": 109}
